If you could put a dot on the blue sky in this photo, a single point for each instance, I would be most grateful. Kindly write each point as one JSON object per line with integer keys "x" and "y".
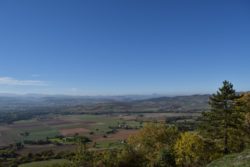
{"x": 109, "y": 47}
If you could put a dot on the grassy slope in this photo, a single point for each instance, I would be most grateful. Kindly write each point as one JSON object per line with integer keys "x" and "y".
{"x": 233, "y": 160}
{"x": 45, "y": 163}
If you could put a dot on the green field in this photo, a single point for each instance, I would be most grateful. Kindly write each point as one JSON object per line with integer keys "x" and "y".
{"x": 53, "y": 125}
{"x": 42, "y": 134}
{"x": 107, "y": 131}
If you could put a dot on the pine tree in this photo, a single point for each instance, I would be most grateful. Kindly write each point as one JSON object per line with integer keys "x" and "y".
{"x": 224, "y": 123}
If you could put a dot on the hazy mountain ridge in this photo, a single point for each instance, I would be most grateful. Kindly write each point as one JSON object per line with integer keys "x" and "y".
{"x": 127, "y": 103}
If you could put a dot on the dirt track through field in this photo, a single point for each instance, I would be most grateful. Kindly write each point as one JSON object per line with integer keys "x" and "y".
{"x": 120, "y": 135}
{"x": 72, "y": 131}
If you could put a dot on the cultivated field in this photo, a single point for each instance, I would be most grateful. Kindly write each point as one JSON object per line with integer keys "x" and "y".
{"x": 104, "y": 131}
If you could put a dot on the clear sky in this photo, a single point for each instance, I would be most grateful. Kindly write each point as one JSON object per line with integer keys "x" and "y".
{"x": 104, "y": 47}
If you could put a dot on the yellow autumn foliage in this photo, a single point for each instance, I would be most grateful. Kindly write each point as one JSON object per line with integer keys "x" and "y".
{"x": 152, "y": 139}
{"x": 189, "y": 150}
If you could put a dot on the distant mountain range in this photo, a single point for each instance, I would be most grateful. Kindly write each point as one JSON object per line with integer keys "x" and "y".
{"x": 127, "y": 103}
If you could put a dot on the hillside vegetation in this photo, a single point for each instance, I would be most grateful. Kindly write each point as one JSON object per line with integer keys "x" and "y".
{"x": 233, "y": 160}
{"x": 48, "y": 163}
